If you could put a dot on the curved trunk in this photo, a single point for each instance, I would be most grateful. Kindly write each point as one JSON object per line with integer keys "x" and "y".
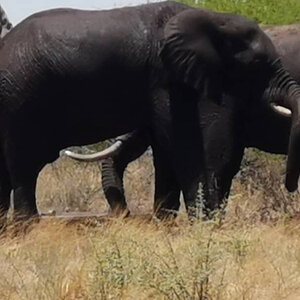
{"x": 112, "y": 183}
{"x": 286, "y": 92}
{"x": 293, "y": 162}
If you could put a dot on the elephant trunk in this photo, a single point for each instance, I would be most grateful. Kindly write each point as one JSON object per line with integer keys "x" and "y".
{"x": 112, "y": 183}
{"x": 285, "y": 98}
{"x": 293, "y": 162}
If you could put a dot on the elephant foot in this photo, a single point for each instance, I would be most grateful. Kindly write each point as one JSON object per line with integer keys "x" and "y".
{"x": 164, "y": 214}
{"x": 119, "y": 212}
{"x": 194, "y": 213}
{"x": 23, "y": 215}
{"x": 19, "y": 224}
{"x": 216, "y": 211}
{"x": 3, "y": 222}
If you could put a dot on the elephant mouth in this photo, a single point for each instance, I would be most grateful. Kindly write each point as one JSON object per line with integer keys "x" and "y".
{"x": 284, "y": 94}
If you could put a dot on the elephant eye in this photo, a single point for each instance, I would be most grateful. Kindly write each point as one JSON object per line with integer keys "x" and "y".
{"x": 240, "y": 45}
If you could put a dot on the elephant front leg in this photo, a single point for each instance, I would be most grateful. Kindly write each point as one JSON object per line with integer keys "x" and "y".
{"x": 193, "y": 199}
{"x": 24, "y": 199}
{"x": 167, "y": 190}
{"x": 216, "y": 192}
{"x": 5, "y": 188}
{"x": 23, "y": 178}
{"x": 222, "y": 164}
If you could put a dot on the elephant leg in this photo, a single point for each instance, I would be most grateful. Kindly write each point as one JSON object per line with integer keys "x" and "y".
{"x": 24, "y": 168}
{"x": 167, "y": 190}
{"x": 192, "y": 199}
{"x": 113, "y": 170}
{"x": 223, "y": 153}
{"x": 216, "y": 193}
{"x": 187, "y": 145}
{"x": 24, "y": 198}
{"x": 5, "y": 187}
{"x": 177, "y": 148}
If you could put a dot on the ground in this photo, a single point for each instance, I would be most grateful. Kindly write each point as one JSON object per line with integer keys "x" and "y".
{"x": 252, "y": 254}
{"x": 258, "y": 193}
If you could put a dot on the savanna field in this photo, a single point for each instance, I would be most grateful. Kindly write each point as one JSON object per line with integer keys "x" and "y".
{"x": 254, "y": 253}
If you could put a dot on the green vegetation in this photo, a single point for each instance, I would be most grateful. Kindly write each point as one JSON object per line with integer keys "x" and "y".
{"x": 273, "y": 12}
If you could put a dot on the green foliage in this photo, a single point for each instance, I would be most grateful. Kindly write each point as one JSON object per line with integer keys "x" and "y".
{"x": 273, "y": 12}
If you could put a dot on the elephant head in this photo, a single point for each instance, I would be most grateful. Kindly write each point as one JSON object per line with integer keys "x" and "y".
{"x": 217, "y": 53}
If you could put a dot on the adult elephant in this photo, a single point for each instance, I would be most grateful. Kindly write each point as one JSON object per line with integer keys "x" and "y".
{"x": 71, "y": 77}
{"x": 227, "y": 128}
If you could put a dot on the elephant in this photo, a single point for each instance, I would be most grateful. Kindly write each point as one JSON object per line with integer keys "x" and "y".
{"x": 227, "y": 129}
{"x": 72, "y": 77}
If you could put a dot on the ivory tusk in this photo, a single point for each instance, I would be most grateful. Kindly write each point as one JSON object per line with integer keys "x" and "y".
{"x": 281, "y": 110}
{"x": 108, "y": 152}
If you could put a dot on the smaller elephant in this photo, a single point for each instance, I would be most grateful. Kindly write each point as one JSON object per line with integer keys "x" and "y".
{"x": 227, "y": 127}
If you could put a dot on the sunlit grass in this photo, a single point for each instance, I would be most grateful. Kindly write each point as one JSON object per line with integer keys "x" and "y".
{"x": 134, "y": 259}
{"x": 252, "y": 254}
{"x": 263, "y": 11}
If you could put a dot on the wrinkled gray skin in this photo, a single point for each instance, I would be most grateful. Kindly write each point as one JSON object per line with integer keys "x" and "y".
{"x": 71, "y": 77}
{"x": 227, "y": 130}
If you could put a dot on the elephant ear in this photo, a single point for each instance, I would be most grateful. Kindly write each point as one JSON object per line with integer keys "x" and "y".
{"x": 203, "y": 48}
{"x": 191, "y": 57}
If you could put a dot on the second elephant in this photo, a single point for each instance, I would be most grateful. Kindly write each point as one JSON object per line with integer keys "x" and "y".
{"x": 228, "y": 128}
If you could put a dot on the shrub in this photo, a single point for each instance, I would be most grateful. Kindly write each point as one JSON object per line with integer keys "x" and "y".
{"x": 273, "y": 12}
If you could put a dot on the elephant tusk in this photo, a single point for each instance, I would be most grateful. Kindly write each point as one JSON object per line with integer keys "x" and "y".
{"x": 281, "y": 110}
{"x": 110, "y": 151}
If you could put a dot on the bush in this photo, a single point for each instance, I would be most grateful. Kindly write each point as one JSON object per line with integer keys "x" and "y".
{"x": 273, "y": 12}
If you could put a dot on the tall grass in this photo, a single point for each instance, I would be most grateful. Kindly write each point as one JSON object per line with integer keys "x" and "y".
{"x": 135, "y": 259}
{"x": 258, "y": 193}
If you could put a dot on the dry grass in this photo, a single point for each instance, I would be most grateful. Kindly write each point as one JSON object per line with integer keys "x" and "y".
{"x": 252, "y": 254}
{"x": 258, "y": 192}
{"x": 67, "y": 185}
{"x": 134, "y": 259}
